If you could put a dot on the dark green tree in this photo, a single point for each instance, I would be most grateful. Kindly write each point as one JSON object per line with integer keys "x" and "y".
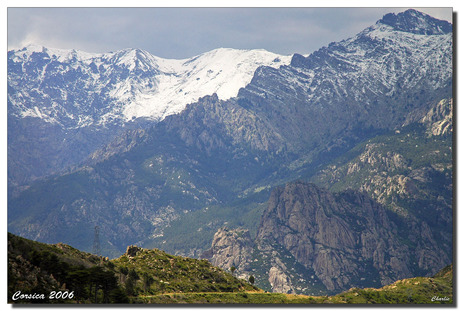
{"x": 129, "y": 286}
{"x": 147, "y": 281}
{"x": 123, "y": 273}
{"x": 251, "y": 279}
{"x": 131, "y": 282}
{"x": 133, "y": 274}
{"x": 79, "y": 284}
{"x": 118, "y": 296}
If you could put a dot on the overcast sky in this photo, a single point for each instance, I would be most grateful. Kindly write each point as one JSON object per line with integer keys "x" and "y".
{"x": 186, "y": 32}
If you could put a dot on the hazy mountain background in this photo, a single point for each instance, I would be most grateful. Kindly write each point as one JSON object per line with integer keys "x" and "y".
{"x": 367, "y": 119}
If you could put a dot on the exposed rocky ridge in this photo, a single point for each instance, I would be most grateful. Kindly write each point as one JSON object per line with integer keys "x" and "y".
{"x": 409, "y": 172}
{"x": 416, "y": 22}
{"x": 216, "y": 125}
{"x": 235, "y": 248}
{"x": 123, "y": 143}
{"x": 344, "y": 237}
{"x": 279, "y": 281}
{"x": 342, "y": 240}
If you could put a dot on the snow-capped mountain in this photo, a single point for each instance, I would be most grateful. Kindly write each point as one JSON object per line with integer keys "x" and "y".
{"x": 77, "y": 89}
{"x": 286, "y": 124}
{"x": 65, "y": 104}
{"x": 398, "y": 52}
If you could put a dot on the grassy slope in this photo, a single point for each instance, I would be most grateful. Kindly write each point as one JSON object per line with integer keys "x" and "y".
{"x": 153, "y": 276}
{"x": 420, "y": 290}
{"x": 40, "y": 268}
{"x": 156, "y": 272}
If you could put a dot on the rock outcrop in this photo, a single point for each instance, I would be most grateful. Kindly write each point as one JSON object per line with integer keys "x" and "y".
{"x": 339, "y": 237}
{"x": 279, "y": 281}
{"x": 310, "y": 238}
{"x": 231, "y": 248}
{"x": 439, "y": 118}
{"x": 132, "y": 250}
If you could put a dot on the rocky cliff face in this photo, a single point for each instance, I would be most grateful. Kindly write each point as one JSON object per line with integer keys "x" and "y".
{"x": 337, "y": 241}
{"x": 408, "y": 171}
{"x": 439, "y": 118}
{"x": 279, "y": 281}
{"x": 235, "y": 248}
{"x": 231, "y": 248}
{"x": 341, "y": 238}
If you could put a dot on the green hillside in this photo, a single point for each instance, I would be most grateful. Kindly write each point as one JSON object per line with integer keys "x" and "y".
{"x": 148, "y": 272}
{"x": 420, "y": 290}
{"x": 38, "y": 268}
{"x": 44, "y": 269}
{"x": 41, "y": 273}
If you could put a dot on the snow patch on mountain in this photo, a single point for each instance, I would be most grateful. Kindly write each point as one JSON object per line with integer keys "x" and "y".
{"x": 221, "y": 71}
{"x": 379, "y": 60}
{"x": 76, "y": 89}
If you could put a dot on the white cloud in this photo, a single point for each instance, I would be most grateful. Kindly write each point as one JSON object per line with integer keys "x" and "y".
{"x": 181, "y": 33}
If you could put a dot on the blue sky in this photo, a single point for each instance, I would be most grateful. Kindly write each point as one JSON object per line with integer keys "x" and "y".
{"x": 186, "y": 32}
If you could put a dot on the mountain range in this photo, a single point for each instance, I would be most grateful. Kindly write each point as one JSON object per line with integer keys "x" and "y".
{"x": 367, "y": 119}
{"x": 65, "y": 104}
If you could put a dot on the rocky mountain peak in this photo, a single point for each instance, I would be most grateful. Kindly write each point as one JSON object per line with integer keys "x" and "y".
{"x": 134, "y": 59}
{"x": 416, "y": 22}
{"x": 346, "y": 238}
